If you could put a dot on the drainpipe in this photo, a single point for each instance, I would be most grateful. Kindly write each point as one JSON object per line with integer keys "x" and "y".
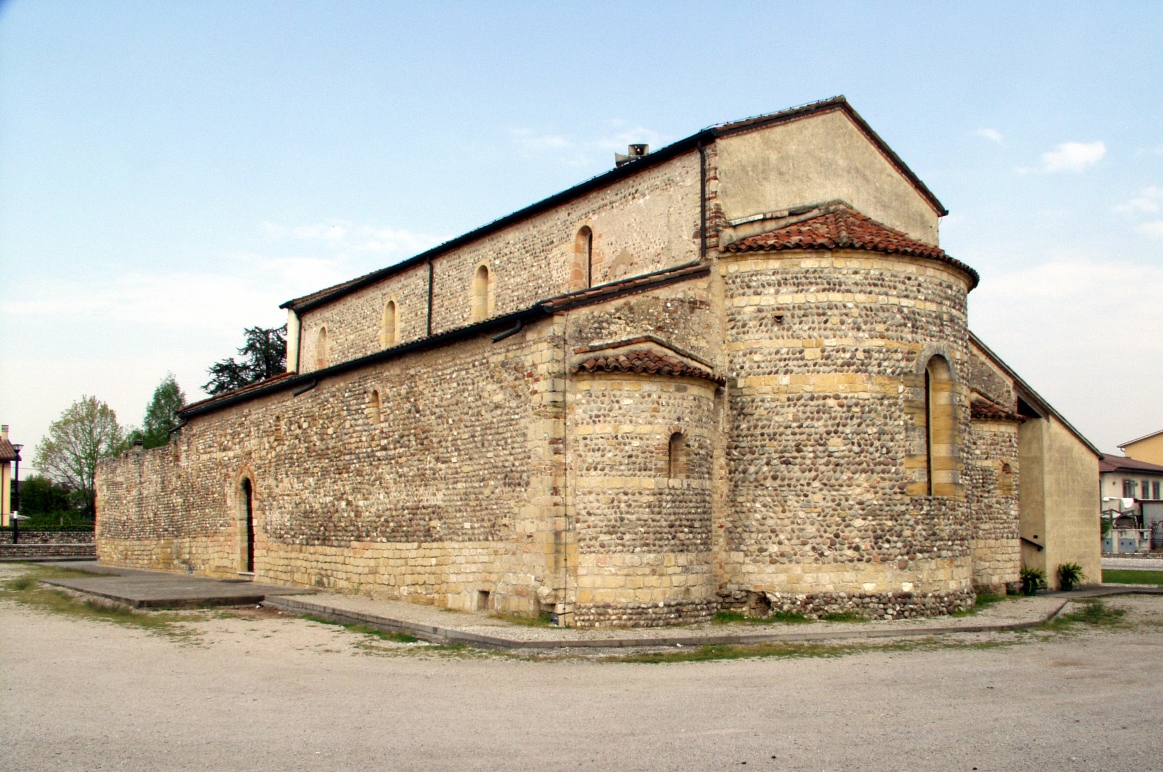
{"x": 430, "y": 273}
{"x": 702, "y": 201}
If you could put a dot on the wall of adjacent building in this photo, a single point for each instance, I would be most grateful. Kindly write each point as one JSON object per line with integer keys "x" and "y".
{"x": 1059, "y": 500}
{"x": 1149, "y": 450}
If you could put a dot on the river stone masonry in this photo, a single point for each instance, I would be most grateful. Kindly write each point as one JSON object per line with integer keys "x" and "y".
{"x": 735, "y": 374}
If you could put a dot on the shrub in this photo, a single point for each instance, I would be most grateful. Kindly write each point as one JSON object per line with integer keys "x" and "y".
{"x": 1069, "y": 575}
{"x": 1033, "y": 579}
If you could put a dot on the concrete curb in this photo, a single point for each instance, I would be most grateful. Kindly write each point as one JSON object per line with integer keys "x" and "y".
{"x": 450, "y": 636}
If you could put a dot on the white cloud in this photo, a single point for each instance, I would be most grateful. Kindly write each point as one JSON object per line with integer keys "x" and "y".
{"x": 345, "y": 237}
{"x": 993, "y": 135}
{"x": 1153, "y": 229}
{"x": 1077, "y": 330}
{"x": 1073, "y": 156}
{"x": 586, "y": 152}
{"x": 1149, "y": 200}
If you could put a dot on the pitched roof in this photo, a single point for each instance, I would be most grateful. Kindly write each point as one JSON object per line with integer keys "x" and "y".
{"x": 1117, "y": 464}
{"x": 838, "y": 226}
{"x": 646, "y": 362}
{"x": 7, "y": 452}
{"x": 1139, "y": 439}
{"x": 985, "y": 410}
{"x": 691, "y": 143}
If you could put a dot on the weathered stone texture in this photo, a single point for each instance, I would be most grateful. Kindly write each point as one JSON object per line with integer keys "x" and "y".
{"x": 992, "y": 497}
{"x": 826, "y": 416}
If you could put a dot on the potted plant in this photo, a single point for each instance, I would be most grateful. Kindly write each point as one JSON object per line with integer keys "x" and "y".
{"x": 1033, "y": 579}
{"x": 1069, "y": 576}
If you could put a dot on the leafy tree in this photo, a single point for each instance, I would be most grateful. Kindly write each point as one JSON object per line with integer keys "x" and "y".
{"x": 84, "y": 434}
{"x": 161, "y": 417}
{"x": 263, "y": 355}
{"x": 41, "y": 496}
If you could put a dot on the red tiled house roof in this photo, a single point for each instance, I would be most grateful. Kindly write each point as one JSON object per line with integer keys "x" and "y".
{"x": 839, "y": 226}
{"x": 648, "y": 362}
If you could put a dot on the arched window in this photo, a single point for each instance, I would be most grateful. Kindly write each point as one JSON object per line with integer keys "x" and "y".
{"x": 941, "y": 423}
{"x": 581, "y": 269}
{"x": 245, "y": 526}
{"x": 321, "y": 349}
{"x": 388, "y": 336}
{"x": 480, "y": 293}
{"x": 373, "y": 407}
{"x": 676, "y": 462}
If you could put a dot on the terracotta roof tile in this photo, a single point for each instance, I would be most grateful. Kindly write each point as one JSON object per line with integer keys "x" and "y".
{"x": 1122, "y": 464}
{"x": 839, "y": 226}
{"x": 988, "y": 411}
{"x": 650, "y": 362}
{"x": 7, "y": 452}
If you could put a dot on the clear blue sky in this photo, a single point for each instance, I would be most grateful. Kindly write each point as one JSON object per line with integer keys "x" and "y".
{"x": 171, "y": 172}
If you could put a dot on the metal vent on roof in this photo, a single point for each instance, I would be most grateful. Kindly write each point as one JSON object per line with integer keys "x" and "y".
{"x": 633, "y": 153}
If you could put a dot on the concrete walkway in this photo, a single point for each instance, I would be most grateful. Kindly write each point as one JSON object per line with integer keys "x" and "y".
{"x": 155, "y": 589}
{"x": 152, "y": 589}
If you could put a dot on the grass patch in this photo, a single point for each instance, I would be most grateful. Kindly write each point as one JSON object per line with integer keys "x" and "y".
{"x": 1091, "y": 612}
{"x": 374, "y": 632}
{"x": 784, "y": 617}
{"x": 27, "y": 591}
{"x": 1131, "y": 576}
{"x": 544, "y": 619}
{"x": 798, "y": 650}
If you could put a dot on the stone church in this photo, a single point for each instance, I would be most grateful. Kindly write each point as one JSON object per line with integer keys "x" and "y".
{"x": 733, "y": 373}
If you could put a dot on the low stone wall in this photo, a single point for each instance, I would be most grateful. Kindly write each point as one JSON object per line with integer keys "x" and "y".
{"x": 886, "y": 605}
{"x": 48, "y": 537}
{"x": 660, "y": 614}
{"x": 22, "y": 550}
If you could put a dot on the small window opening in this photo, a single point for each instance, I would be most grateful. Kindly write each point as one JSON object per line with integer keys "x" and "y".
{"x": 321, "y": 349}
{"x": 480, "y": 294}
{"x": 581, "y": 272}
{"x": 388, "y": 337}
{"x": 246, "y": 529}
{"x": 373, "y": 407}
{"x": 676, "y": 466}
{"x": 482, "y": 600}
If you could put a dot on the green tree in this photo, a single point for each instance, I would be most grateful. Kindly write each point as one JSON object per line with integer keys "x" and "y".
{"x": 264, "y": 354}
{"x": 84, "y": 434}
{"x": 161, "y": 417}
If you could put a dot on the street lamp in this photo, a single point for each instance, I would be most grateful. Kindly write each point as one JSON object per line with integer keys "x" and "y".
{"x": 16, "y": 498}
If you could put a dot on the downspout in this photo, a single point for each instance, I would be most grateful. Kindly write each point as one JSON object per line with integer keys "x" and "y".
{"x": 430, "y": 273}
{"x": 702, "y": 201}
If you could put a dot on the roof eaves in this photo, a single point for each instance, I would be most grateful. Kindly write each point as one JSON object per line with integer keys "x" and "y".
{"x": 322, "y": 297}
{"x": 1139, "y": 439}
{"x": 1027, "y": 392}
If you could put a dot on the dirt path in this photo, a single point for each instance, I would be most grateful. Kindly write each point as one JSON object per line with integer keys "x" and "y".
{"x": 259, "y": 691}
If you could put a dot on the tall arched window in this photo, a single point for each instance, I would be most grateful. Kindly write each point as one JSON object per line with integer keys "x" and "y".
{"x": 941, "y": 423}
{"x": 321, "y": 349}
{"x": 676, "y": 461}
{"x": 480, "y": 293}
{"x": 373, "y": 407}
{"x": 388, "y": 336}
{"x": 245, "y": 526}
{"x": 581, "y": 269}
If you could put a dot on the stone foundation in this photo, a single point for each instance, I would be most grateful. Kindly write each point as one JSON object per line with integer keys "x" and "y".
{"x": 661, "y": 614}
{"x": 886, "y": 605}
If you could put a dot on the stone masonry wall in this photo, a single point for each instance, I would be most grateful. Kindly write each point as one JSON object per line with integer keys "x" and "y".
{"x": 443, "y": 499}
{"x": 826, "y": 421}
{"x": 645, "y": 223}
{"x": 643, "y": 529}
{"x": 992, "y": 498}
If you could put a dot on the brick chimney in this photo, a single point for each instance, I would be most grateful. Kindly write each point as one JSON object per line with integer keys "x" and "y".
{"x": 4, "y": 432}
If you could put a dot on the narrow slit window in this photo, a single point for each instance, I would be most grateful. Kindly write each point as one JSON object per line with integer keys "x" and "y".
{"x": 389, "y": 337}
{"x": 941, "y": 429}
{"x": 373, "y": 407}
{"x": 321, "y": 349}
{"x": 676, "y": 459}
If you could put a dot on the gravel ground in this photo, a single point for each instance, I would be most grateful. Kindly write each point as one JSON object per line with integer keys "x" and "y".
{"x": 257, "y": 690}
